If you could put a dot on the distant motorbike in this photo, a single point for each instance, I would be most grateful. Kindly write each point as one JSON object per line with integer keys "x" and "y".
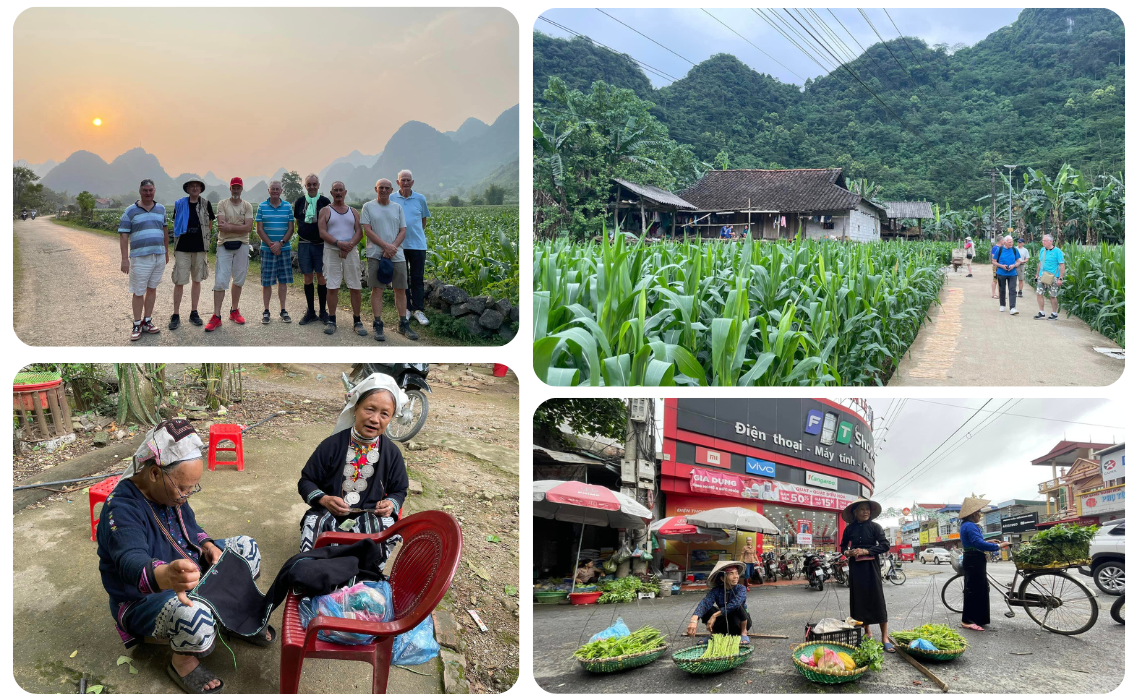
{"x": 785, "y": 568}
{"x": 842, "y": 571}
{"x": 24, "y": 216}
{"x": 771, "y": 567}
{"x": 814, "y": 570}
{"x": 412, "y": 378}
{"x": 893, "y": 572}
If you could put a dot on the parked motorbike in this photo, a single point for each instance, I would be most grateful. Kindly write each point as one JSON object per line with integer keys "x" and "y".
{"x": 842, "y": 572}
{"x": 785, "y": 568}
{"x": 771, "y": 567}
{"x": 814, "y": 570}
{"x": 1117, "y": 611}
{"x": 412, "y": 378}
{"x": 24, "y": 216}
{"x": 893, "y": 571}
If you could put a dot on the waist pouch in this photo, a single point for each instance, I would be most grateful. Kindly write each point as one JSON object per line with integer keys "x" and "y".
{"x": 231, "y": 245}
{"x": 1047, "y": 279}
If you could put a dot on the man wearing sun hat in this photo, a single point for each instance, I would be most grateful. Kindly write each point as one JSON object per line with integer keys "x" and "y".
{"x": 235, "y": 222}
{"x": 976, "y": 592}
{"x": 724, "y": 609}
{"x": 193, "y": 217}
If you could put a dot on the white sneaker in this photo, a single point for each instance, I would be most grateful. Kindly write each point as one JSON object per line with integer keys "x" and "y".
{"x": 419, "y": 315}
{"x": 1001, "y": 309}
{"x": 1014, "y": 312}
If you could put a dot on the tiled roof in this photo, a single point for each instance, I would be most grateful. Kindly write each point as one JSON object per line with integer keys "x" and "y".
{"x": 658, "y": 195}
{"x": 1065, "y": 447}
{"x": 781, "y": 190}
{"x": 909, "y": 210}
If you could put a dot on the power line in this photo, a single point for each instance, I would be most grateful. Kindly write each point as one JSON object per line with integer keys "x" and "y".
{"x": 888, "y": 47}
{"x": 646, "y": 37}
{"x": 647, "y": 66}
{"x": 907, "y": 43}
{"x": 751, "y": 44}
{"x": 788, "y": 38}
{"x": 1024, "y": 416}
{"x": 878, "y": 65}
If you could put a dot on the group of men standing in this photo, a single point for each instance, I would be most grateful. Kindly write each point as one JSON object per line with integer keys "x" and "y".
{"x": 329, "y": 233}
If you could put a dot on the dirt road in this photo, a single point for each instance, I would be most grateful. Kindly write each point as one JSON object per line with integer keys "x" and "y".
{"x": 970, "y": 343}
{"x": 69, "y": 291}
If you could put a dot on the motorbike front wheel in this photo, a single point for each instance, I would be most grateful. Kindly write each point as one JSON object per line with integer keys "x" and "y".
{"x": 1117, "y": 611}
{"x": 897, "y": 577}
{"x": 410, "y": 420}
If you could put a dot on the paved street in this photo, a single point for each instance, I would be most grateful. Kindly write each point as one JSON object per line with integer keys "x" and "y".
{"x": 1013, "y": 656}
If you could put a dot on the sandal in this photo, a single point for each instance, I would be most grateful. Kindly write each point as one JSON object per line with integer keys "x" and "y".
{"x": 975, "y": 627}
{"x": 195, "y": 681}
{"x": 889, "y": 647}
{"x": 258, "y": 639}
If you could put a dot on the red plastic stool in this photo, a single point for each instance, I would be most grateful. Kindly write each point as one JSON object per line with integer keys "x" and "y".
{"x": 500, "y": 370}
{"x": 97, "y": 495}
{"x": 226, "y": 432}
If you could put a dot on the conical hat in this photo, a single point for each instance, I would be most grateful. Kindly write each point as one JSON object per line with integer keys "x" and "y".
{"x": 849, "y": 512}
{"x": 721, "y": 567}
{"x": 972, "y": 504}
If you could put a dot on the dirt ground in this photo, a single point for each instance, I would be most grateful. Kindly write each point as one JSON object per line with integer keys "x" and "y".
{"x": 465, "y": 458}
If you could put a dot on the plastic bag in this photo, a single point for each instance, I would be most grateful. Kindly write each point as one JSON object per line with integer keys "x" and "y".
{"x": 828, "y": 625}
{"x": 922, "y": 645}
{"x": 616, "y": 630}
{"x": 369, "y": 601}
{"x": 416, "y": 646}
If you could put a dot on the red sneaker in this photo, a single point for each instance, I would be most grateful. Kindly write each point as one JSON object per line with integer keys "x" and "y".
{"x": 213, "y": 323}
{"x": 235, "y": 316}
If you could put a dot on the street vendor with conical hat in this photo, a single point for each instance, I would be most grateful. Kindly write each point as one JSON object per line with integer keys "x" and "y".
{"x": 976, "y": 592}
{"x": 863, "y": 541}
{"x": 724, "y": 609}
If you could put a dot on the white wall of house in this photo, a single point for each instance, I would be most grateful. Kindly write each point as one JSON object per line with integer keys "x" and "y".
{"x": 864, "y": 223}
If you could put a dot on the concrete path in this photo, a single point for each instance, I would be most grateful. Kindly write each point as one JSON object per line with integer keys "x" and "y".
{"x": 970, "y": 343}
{"x": 69, "y": 291}
{"x": 1013, "y": 656}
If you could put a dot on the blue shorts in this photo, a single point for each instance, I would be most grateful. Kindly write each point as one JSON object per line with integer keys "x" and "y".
{"x": 276, "y": 269}
{"x": 311, "y": 257}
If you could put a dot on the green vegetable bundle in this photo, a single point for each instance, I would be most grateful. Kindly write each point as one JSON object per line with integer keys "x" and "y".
{"x": 643, "y": 640}
{"x": 722, "y": 646}
{"x": 869, "y": 654}
{"x": 942, "y": 636}
{"x": 1061, "y": 544}
{"x": 625, "y": 589}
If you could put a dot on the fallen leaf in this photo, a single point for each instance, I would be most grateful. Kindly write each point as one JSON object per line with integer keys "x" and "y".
{"x": 510, "y": 590}
{"x": 123, "y": 659}
{"x": 74, "y": 653}
{"x": 95, "y": 689}
{"x": 134, "y": 670}
{"x": 494, "y": 538}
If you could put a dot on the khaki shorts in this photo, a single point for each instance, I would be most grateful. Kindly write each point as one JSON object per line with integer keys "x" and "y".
{"x": 146, "y": 272}
{"x": 231, "y": 266}
{"x": 399, "y": 274}
{"x": 340, "y": 270}
{"x": 189, "y": 266}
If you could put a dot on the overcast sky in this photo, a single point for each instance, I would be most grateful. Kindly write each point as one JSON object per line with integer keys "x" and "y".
{"x": 692, "y": 35}
{"x": 244, "y": 91}
{"x": 994, "y": 461}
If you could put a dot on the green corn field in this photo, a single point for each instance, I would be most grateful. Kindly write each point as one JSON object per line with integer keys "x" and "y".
{"x": 1094, "y": 288}
{"x": 476, "y": 248}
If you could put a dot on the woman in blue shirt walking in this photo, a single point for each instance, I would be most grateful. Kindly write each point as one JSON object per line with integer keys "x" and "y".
{"x": 976, "y": 602}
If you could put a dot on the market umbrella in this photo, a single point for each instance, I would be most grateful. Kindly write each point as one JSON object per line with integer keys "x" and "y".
{"x": 677, "y": 529}
{"x": 734, "y": 517}
{"x": 588, "y": 504}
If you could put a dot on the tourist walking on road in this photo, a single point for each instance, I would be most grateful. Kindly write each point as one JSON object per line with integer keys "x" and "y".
{"x": 235, "y": 221}
{"x": 970, "y": 247}
{"x": 339, "y": 227}
{"x": 995, "y": 247}
{"x": 275, "y": 227}
{"x": 143, "y": 244}
{"x": 383, "y": 223}
{"x": 976, "y": 598}
{"x": 863, "y": 541}
{"x": 1007, "y": 260}
{"x": 192, "y": 223}
{"x": 1024, "y": 253}
{"x": 415, "y": 243}
{"x": 1050, "y": 274}
{"x": 748, "y": 556}
{"x": 724, "y": 609}
{"x": 310, "y": 247}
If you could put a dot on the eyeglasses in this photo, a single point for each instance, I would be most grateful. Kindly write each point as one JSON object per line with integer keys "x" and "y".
{"x": 178, "y": 493}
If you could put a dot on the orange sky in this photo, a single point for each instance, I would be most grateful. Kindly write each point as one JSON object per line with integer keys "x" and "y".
{"x": 244, "y": 91}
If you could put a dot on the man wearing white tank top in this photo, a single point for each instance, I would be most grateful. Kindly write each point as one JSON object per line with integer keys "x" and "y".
{"x": 339, "y": 227}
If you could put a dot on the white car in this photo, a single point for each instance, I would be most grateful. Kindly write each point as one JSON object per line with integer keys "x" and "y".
{"x": 934, "y": 554}
{"x": 1106, "y": 552}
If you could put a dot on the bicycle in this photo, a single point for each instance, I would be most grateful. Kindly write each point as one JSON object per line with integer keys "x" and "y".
{"x": 1051, "y": 597}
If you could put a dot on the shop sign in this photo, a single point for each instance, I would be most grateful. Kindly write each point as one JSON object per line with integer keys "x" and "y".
{"x": 1112, "y": 467}
{"x": 1020, "y": 523}
{"x": 705, "y": 481}
{"x": 924, "y": 537}
{"x": 1103, "y": 501}
{"x": 761, "y": 468}
{"x": 707, "y": 456}
{"x": 818, "y": 480}
{"x": 913, "y": 525}
{"x": 803, "y": 538}
{"x": 814, "y": 422}
{"x": 952, "y": 536}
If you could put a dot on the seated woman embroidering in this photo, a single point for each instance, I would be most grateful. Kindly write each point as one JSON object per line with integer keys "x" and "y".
{"x": 357, "y": 474}
{"x": 152, "y": 552}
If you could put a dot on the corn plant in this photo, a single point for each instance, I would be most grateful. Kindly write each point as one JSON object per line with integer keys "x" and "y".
{"x": 1094, "y": 288}
{"x": 474, "y": 248}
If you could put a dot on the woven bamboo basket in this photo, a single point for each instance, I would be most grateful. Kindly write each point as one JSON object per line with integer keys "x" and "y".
{"x": 690, "y": 660}
{"x": 1051, "y": 567}
{"x": 931, "y": 655}
{"x": 621, "y": 662}
{"x": 817, "y": 675}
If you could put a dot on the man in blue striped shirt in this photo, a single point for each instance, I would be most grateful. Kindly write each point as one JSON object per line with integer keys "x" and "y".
{"x": 275, "y": 227}
{"x": 143, "y": 245}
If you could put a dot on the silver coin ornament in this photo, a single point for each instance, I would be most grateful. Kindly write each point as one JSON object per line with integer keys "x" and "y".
{"x": 349, "y": 456}
{"x": 373, "y": 456}
{"x": 349, "y": 470}
{"x": 367, "y": 471}
{"x": 360, "y": 485}
{"x": 348, "y": 485}
{"x": 352, "y": 498}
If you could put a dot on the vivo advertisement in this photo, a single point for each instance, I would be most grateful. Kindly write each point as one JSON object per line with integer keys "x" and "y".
{"x": 806, "y": 429}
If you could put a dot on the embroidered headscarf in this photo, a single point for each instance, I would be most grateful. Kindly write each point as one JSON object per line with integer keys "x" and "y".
{"x": 170, "y": 441}
{"x": 347, "y": 416}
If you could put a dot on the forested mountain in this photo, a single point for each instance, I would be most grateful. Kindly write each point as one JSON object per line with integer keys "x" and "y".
{"x": 1045, "y": 90}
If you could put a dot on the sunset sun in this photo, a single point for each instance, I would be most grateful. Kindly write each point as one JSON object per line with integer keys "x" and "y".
{"x": 97, "y": 121}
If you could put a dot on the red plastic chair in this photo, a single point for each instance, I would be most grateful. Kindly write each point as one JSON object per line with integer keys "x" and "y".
{"x": 226, "y": 432}
{"x": 420, "y": 576}
{"x": 98, "y": 494}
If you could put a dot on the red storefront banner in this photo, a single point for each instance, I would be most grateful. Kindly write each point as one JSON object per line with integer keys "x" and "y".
{"x": 715, "y": 482}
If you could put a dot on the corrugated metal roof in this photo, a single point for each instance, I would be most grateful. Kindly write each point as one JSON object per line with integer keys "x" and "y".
{"x": 909, "y": 210}
{"x": 657, "y": 195}
{"x": 786, "y": 190}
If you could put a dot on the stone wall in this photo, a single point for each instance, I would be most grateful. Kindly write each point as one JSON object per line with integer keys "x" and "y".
{"x": 483, "y": 316}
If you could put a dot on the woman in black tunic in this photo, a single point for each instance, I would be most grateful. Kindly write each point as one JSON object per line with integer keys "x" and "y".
{"x": 863, "y": 541}
{"x": 357, "y": 474}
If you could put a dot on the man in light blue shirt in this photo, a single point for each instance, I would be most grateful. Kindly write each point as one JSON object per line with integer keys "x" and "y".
{"x": 415, "y": 243}
{"x": 1050, "y": 262}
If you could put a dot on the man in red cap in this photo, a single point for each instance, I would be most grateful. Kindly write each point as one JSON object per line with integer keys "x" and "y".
{"x": 235, "y": 222}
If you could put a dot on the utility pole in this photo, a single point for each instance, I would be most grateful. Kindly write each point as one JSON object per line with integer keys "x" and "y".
{"x": 639, "y": 464}
{"x": 1011, "y": 167}
{"x": 993, "y": 205}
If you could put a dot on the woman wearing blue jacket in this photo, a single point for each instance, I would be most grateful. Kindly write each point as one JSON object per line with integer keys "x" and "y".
{"x": 976, "y": 600}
